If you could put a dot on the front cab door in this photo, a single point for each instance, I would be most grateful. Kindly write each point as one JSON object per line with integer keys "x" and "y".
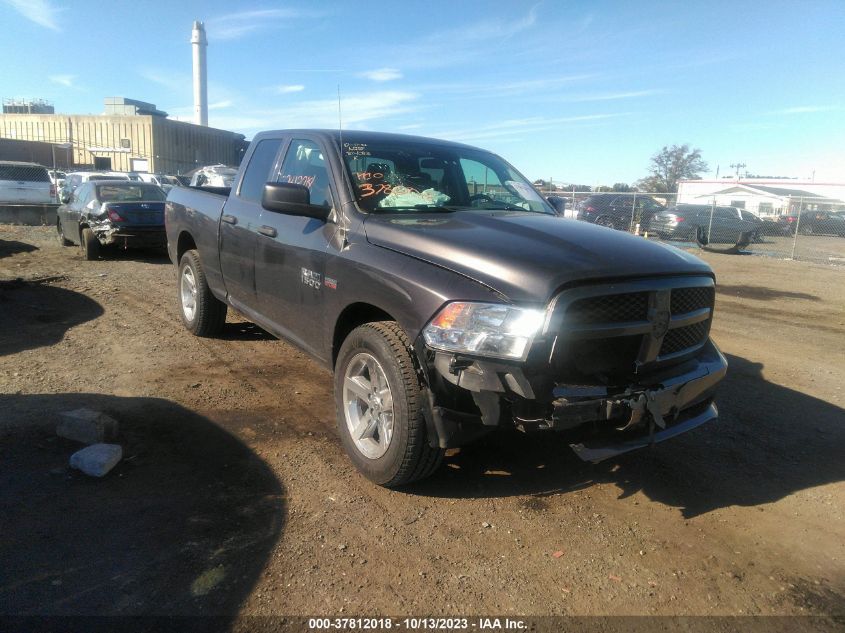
{"x": 292, "y": 251}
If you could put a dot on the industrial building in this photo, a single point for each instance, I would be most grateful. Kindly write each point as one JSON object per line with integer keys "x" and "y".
{"x": 766, "y": 197}
{"x": 130, "y": 135}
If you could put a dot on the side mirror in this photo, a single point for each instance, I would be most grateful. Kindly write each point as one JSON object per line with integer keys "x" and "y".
{"x": 291, "y": 199}
{"x": 558, "y": 203}
{"x": 64, "y": 197}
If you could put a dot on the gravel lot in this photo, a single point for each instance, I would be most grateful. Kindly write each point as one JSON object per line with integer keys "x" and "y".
{"x": 234, "y": 494}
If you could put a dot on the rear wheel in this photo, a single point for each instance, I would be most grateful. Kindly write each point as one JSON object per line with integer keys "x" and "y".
{"x": 202, "y": 313}
{"x": 62, "y": 239}
{"x": 380, "y": 407}
{"x": 90, "y": 245}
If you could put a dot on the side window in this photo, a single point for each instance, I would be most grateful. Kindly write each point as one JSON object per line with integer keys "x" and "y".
{"x": 305, "y": 165}
{"x": 258, "y": 171}
{"x": 480, "y": 179}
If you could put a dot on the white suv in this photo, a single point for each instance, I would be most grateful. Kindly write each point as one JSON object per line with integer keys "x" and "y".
{"x": 25, "y": 183}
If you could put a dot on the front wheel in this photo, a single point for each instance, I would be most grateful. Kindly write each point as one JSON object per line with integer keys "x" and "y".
{"x": 202, "y": 313}
{"x": 380, "y": 407}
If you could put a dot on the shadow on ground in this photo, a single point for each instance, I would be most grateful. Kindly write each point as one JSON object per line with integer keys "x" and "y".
{"x": 770, "y": 442}
{"x": 245, "y": 331}
{"x": 183, "y": 525}
{"x": 146, "y": 255}
{"x": 35, "y": 314}
{"x": 12, "y": 247}
{"x": 762, "y": 293}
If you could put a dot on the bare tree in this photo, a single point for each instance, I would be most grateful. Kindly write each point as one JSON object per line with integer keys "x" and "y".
{"x": 669, "y": 166}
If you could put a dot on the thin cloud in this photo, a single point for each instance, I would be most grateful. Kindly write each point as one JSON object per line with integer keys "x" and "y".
{"x": 63, "y": 80}
{"x": 382, "y": 74}
{"x": 287, "y": 89}
{"x": 466, "y": 43}
{"x": 519, "y": 88}
{"x": 613, "y": 96}
{"x": 167, "y": 79}
{"x": 42, "y": 12}
{"x": 236, "y": 25}
{"x": 513, "y": 127}
{"x": 805, "y": 109}
{"x": 357, "y": 109}
{"x": 221, "y": 105}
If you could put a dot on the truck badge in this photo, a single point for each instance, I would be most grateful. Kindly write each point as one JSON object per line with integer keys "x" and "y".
{"x": 311, "y": 278}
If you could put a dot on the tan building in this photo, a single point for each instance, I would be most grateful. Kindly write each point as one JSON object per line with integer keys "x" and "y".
{"x": 130, "y": 136}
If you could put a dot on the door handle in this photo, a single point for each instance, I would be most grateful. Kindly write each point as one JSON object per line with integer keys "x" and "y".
{"x": 228, "y": 219}
{"x": 269, "y": 231}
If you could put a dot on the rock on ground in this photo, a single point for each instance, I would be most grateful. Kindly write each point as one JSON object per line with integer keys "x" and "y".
{"x": 97, "y": 460}
{"x": 86, "y": 426}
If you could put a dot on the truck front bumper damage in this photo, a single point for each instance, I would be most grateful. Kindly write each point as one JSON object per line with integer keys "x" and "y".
{"x": 601, "y": 421}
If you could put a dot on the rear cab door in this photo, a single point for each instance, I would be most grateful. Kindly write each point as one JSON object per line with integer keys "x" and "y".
{"x": 240, "y": 221}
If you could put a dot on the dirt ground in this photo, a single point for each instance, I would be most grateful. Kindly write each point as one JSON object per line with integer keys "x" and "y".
{"x": 234, "y": 495}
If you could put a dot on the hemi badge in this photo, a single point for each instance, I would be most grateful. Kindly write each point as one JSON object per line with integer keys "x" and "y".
{"x": 331, "y": 283}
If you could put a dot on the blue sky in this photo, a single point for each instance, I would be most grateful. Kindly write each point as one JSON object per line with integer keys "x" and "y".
{"x": 582, "y": 92}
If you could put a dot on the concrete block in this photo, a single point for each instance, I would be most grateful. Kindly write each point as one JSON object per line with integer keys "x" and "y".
{"x": 86, "y": 426}
{"x": 97, "y": 460}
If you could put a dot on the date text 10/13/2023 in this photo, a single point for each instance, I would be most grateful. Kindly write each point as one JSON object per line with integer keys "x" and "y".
{"x": 417, "y": 624}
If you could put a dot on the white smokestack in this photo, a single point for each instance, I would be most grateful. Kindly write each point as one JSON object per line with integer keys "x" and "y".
{"x": 199, "y": 44}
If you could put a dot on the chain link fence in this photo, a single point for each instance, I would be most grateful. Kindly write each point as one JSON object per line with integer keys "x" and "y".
{"x": 805, "y": 228}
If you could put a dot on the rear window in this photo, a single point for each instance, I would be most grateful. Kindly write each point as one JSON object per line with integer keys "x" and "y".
{"x": 129, "y": 193}
{"x": 24, "y": 172}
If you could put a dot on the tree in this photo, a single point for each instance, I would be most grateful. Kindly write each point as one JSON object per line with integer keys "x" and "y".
{"x": 621, "y": 187}
{"x": 670, "y": 165}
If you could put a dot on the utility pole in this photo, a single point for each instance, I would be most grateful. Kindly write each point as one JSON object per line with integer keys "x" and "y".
{"x": 737, "y": 167}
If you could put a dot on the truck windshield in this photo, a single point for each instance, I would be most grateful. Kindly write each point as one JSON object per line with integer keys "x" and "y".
{"x": 397, "y": 177}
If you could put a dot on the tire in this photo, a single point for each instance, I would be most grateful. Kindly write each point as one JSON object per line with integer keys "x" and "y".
{"x": 90, "y": 245}
{"x": 62, "y": 239}
{"x": 604, "y": 220}
{"x": 201, "y": 312}
{"x": 375, "y": 362}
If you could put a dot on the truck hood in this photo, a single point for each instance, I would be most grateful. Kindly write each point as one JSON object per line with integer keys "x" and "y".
{"x": 526, "y": 257}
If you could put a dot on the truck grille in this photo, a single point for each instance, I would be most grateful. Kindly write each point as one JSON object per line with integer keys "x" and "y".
{"x": 691, "y": 299}
{"x": 632, "y": 306}
{"x": 624, "y": 329}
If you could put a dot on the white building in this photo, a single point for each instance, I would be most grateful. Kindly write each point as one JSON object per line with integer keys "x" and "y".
{"x": 765, "y": 197}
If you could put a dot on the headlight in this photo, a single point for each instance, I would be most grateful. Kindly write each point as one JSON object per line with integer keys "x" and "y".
{"x": 484, "y": 329}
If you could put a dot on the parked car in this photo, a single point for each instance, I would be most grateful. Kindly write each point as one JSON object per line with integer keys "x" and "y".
{"x": 720, "y": 225}
{"x": 25, "y": 183}
{"x": 162, "y": 180}
{"x": 617, "y": 210}
{"x": 213, "y": 176}
{"x": 103, "y": 213}
{"x": 814, "y": 223}
{"x": 448, "y": 298}
{"x": 76, "y": 178}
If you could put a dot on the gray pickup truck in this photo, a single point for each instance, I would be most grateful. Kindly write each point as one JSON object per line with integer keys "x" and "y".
{"x": 448, "y": 297}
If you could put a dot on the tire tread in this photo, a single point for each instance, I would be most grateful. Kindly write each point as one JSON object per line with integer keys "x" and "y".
{"x": 210, "y": 316}
{"x": 420, "y": 459}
